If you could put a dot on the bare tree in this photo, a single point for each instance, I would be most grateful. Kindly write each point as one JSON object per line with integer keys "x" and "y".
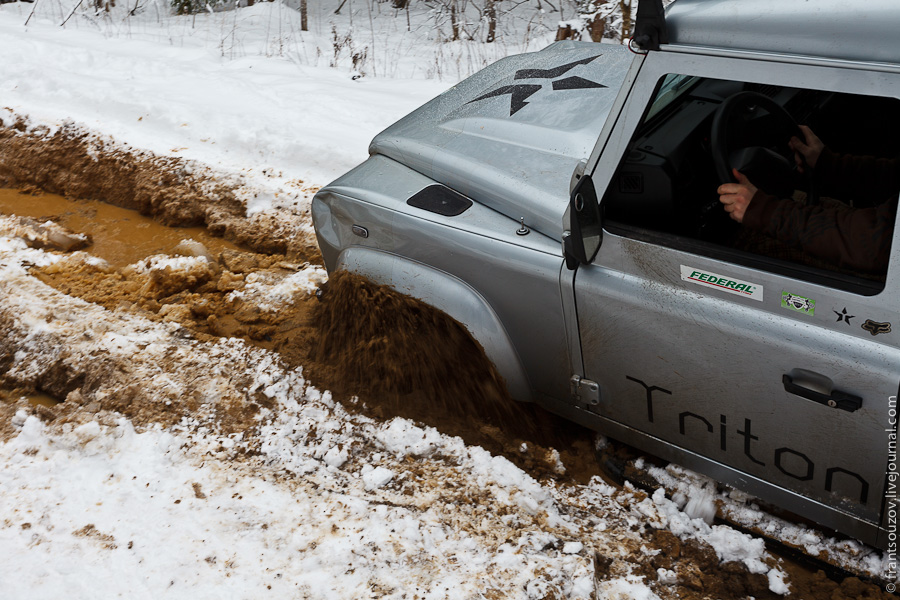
{"x": 490, "y": 11}
{"x": 454, "y": 21}
{"x": 304, "y": 25}
{"x": 596, "y": 26}
{"x": 625, "y": 8}
{"x": 592, "y": 14}
{"x": 600, "y": 19}
{"x": 456, "y": 10}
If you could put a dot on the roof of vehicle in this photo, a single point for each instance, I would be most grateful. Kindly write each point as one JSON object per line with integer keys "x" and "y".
{"x": 867, "y": 31}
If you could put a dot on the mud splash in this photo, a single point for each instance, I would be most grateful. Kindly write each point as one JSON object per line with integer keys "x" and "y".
{"x": 408, "y": 359}
{"x": 394, "y": 345}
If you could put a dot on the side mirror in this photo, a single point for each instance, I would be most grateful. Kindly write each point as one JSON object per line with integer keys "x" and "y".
{"x": 582, "y": 231}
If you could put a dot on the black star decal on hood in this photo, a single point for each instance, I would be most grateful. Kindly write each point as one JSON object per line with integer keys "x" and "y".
{"x": 519, "y": 93}
{"x": 575, "y": 83}
{"x": 552, "y": 73}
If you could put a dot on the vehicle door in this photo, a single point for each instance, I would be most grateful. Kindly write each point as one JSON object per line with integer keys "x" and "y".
{"x": 763, "y": 371}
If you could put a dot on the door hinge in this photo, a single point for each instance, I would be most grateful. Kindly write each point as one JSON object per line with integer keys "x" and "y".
{"x": 585, "y": 391}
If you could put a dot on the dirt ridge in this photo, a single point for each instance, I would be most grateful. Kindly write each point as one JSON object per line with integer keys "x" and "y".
{"x": 76, "y": 163}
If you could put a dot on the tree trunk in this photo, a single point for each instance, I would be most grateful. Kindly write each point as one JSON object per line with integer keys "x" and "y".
{"x": 596, "y": 28}
{"x": 304, "y": 25}
{"x": 564, "y": 33}
{"x": 625, "y": 7}
{"x": 491, "y": 12}
{"x": 454, "y": 21}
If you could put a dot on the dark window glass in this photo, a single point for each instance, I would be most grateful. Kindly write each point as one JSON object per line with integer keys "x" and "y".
{"x": 830, "y": 225}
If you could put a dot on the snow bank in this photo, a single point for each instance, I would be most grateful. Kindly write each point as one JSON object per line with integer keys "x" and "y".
{"x": 279, "y": 129}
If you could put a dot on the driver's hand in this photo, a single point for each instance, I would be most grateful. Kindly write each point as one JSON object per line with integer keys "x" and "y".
{"x": 736, "y": 196}
{"x": 808, "y": 150}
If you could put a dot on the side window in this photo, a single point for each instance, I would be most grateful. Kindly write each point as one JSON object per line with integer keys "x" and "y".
{"x": 831, "y": 224}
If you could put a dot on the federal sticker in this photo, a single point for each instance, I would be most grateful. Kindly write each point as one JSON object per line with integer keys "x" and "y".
{"x": 722, "y": 283}
{"x": 799, "y": 303}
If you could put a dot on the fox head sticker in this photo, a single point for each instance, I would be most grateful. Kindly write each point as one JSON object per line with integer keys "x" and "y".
{"x": 874, "y": 327}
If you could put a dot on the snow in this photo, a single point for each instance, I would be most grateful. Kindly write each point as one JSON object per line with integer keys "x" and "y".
{"x": 269, "y": 122}
{"x": 404, "y": 438}
{"x": 138, "y": 494}
{"x": 377, "y": 477}
{"x": 178, "y": 513}
{"x": 630, "y": 588}
{"x": 162, "y": 262}
{"x": 777, "y": 583}
{"x": 730, "y": 545}
{"x": 743, "y": 510}
{"x": 317, "y": 502}
{"x": 269, "y": 295}
{"x": 326, "y": 505}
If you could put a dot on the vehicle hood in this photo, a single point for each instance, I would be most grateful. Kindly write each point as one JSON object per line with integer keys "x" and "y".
{"x": 510, "y": 136}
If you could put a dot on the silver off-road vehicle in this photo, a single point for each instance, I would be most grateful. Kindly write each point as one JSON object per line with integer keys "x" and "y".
{"x": 562, "y": 205}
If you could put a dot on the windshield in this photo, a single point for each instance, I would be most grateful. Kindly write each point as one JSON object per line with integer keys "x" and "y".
{"x": 673, "y": 86}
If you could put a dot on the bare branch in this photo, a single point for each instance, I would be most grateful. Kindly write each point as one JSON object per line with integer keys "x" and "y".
{"x": 70, "y": 14}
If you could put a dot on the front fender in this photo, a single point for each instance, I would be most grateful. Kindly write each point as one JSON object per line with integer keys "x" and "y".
{"x": 449, "y": 294}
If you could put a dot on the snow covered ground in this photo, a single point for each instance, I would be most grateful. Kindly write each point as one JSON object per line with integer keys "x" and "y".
{"x": 313, "y": 501}
{"x": 266, "y": 119}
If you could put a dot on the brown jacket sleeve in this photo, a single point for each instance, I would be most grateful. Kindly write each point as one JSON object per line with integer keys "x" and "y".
{"x": 857, "y": 238}
{"x": 850, "y": 177}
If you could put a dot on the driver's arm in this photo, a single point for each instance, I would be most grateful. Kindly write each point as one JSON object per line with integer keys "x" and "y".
{"x": 846, "y": 176}
{"x": 857, "y": 238}
{"x": 861, "y": 178}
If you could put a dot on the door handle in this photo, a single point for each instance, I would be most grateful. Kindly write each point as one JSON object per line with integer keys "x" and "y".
{"x": 841, "y": 400}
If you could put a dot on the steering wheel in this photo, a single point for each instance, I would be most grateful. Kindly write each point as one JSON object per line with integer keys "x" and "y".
{"x": 770, "y": 165}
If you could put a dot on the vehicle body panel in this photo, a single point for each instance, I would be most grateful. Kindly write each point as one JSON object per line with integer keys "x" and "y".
{"x": 716, "y": 360}
{"x": 689, "y": 372}
{"x": 426, "y": 255}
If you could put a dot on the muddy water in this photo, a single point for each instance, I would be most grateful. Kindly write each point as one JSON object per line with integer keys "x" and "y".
{"x": 34, "y": 398}
{"x": 120, "y": 236}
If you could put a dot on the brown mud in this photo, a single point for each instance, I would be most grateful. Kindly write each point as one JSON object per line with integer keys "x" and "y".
{"x": 76, "y": 164}
{"x": 118, "y": 235}
{"x": 403, "y": 357}
{"x": 13, "y": 395}
{"x": 408, "y": 359}
{"x": 397, "y": 355}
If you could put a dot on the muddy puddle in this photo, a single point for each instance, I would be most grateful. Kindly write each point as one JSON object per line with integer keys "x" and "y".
{"x": 118, "y": 235}
{"x": 33, "y": 398}
{"x": 77, "y": 164}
